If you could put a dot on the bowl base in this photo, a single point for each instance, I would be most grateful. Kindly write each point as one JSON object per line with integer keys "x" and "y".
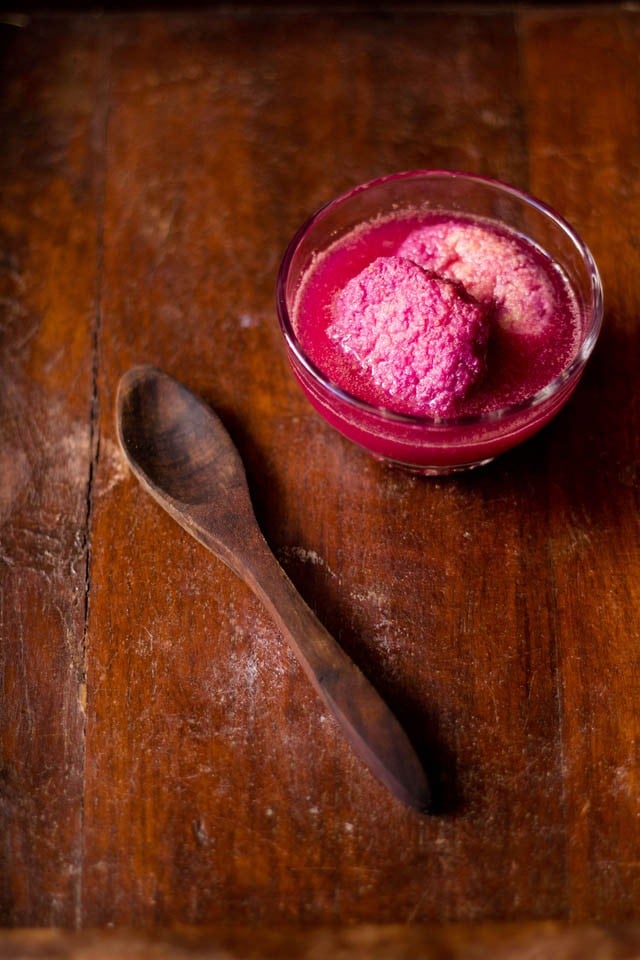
{"x": 424, "y": 470}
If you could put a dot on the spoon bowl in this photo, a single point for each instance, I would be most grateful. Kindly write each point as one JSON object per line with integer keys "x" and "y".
{"x": 175, "y": 422}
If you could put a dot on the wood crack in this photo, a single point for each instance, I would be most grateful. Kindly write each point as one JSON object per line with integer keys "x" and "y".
{"x": 100, "y": 121}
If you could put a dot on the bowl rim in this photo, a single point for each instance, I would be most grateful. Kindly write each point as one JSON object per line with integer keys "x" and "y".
{"x": 550, "y": 389}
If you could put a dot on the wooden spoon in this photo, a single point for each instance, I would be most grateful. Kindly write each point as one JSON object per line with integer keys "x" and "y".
{"x": 183, "y": 456}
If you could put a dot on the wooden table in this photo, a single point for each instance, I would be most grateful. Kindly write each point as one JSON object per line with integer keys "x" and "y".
{"x": 164, "y": 764}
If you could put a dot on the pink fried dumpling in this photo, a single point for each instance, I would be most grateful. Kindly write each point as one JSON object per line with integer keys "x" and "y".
{"x": 422, "y": 339}
{"x": 493, "y": 268}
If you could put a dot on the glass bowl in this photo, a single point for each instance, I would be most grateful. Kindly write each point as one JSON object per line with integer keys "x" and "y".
{"x": 424, "y": 444}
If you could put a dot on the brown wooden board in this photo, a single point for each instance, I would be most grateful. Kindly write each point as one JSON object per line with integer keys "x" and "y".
{"x": 164, "y": 759}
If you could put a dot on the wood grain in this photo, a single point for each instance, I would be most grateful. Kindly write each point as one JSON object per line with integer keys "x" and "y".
{"x": 199, "y": 265}
{"x": 164, "y": 761}
{"x": 49, "y": 212}
{"x": 593, "y": 547}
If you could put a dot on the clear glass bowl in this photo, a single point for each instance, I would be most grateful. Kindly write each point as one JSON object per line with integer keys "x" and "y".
{"x": 423, "y": 444}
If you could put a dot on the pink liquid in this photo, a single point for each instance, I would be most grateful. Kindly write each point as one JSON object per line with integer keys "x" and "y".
{"x": 528, "y": 348}
{"x": 520, "y": 361}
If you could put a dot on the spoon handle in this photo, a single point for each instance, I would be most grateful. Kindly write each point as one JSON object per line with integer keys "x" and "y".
{"x": 365, "y": 719}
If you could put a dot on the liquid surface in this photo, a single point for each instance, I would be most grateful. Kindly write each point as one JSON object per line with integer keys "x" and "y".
{"x": 535, "y": 328}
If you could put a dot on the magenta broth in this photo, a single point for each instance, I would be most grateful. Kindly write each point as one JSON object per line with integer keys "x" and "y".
{"x": 519, "y": 363}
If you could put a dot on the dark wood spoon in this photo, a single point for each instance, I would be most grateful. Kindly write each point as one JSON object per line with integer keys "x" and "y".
{"x": 183, "y": 456}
